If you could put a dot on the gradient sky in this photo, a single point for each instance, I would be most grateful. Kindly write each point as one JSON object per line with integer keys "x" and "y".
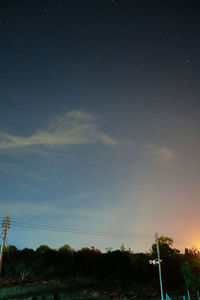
{"x": 100, "y": 120}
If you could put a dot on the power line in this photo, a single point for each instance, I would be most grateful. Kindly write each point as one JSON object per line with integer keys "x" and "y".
{"x": 81, "y": 231}
{"x": 78, "y": 230}
{"x": 38, "y": 226}
{"x": 59, "y": 227}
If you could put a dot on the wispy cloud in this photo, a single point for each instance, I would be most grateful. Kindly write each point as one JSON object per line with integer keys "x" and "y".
{"x": 163, "y": 155}
{"x": 15, "y": 169}
{"x": 21, "y": 209}
{"x": 73, "y": 128}
{"x": 61, "y": 208}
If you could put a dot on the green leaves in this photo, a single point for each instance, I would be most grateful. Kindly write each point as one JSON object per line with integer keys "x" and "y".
{"x": 191, "y": 274}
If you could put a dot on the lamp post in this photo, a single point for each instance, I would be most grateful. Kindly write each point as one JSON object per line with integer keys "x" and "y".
{"x": 158, "y": 262}
{"x": 159, "y": 266}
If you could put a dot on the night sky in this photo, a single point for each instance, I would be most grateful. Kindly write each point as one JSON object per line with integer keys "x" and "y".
{"x": 100, "y": 120}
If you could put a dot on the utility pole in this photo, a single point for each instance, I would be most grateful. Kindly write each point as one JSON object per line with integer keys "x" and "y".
{"x": 159, "y": 266}
{"x": 6, "y": 223}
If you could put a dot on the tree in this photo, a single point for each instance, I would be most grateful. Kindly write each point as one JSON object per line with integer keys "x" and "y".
{"x": 165, "y": 247}
{"x": 42, "y": 249}
{"x": 11, "y": 255}
{"x": 187, "y": 274}
{"x": 23, "y": 268}
{"x": 166, "y": 240}
{"x": 10, "y": 249}
{"x": 87, "y": 259}
{"x": 170, "y": 261}
{"x": 45, "y": 258}
{"x": 122, "y": 248}
{"x": 114, "y": 269}
{"x": 65, "y": 249}
{"x": 191, "y": 274}
{"x": 108, "y": 249}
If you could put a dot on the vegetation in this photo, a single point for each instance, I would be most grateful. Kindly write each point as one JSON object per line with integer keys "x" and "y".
{"x": 114, "y": 270}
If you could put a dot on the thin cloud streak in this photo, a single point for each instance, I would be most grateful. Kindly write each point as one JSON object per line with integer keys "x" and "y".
{"x": 21, "y": 209}
{"x": 73, "y": 128}
{"x": 162, "y": 155}
{"x": 16, "y": 170}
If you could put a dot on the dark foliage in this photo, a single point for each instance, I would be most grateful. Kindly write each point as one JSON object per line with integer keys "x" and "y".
{"x": 114, "y": 269}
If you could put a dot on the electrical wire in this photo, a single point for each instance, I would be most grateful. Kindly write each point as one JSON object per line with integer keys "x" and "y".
{"x": 59, "y": 227}
{"x": 78, "y": 230}
{"x": 84, "y": 229}
{"x": 15, "y": 222}
{"x": 117, "y": 234}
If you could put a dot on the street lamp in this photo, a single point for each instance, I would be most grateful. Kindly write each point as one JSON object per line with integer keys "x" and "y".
{"x": 158, "y": 262}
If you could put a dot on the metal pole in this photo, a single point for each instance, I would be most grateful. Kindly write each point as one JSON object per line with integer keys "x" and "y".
{"x": 159, "y": 266}
{"x": 5, "y": 226}
{"x": 188, "y": 294}
{"x": 198, "y": 295}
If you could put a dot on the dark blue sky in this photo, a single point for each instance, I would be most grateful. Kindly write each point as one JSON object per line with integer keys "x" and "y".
{"x": 99, "y": 118}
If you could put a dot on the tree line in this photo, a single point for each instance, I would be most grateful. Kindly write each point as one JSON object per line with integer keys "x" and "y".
{"x": 113, "y": 269}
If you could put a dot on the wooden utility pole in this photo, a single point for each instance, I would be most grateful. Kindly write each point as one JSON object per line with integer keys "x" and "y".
{"x": 5, "y": 226}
